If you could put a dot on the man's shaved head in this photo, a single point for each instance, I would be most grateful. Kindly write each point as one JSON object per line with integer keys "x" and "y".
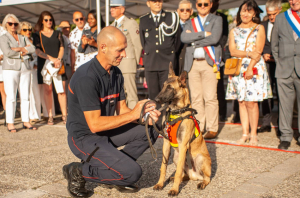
{"x": 111, "y": 45}
{"x": 76, "y": 14}
{"x": 78, "y": 19}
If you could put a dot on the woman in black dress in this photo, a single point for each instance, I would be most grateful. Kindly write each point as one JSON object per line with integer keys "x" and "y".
{"x": 49, "y": 46}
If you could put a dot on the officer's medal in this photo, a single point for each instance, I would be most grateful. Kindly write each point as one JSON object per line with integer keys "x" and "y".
{"x": 147, "y": 33}
{"x": 215, "y": 68}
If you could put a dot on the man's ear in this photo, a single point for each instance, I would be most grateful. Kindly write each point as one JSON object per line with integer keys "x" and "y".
{"x": 192, "y": 11}
{"x": 102, "y": 48}
{"x": 183, "y": 77}
{"x": 122, "y": 9}
{"x": 148, "y": 3}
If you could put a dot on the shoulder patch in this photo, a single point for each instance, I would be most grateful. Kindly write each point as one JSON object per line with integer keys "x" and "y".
{"x": 145, "y": 15}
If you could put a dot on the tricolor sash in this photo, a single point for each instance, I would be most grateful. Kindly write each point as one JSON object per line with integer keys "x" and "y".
{"x": 294, "y": 20}
{"x": 210, "y": 50}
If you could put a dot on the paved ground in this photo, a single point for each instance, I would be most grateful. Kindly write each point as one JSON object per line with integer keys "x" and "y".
{"x": 31, "y": 163}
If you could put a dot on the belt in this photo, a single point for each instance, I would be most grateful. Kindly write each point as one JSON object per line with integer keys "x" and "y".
{"x": 199, "y": 59}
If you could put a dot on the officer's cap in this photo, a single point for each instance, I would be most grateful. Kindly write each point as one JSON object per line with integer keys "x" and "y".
{"x": 117, "y": 2}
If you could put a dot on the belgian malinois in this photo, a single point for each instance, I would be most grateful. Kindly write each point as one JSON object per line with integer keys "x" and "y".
{"x": 175, "y": 92}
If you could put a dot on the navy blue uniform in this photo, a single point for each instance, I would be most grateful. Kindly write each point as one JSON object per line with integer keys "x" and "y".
{"x": 93, "y": 88}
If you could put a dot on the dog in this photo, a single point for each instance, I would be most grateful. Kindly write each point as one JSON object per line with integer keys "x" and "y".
{"x": 176, "y": 93}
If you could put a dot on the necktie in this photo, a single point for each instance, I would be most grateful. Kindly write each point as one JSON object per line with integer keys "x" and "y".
{"x": 116, "y": 23}
{"x": 156, "y": 21}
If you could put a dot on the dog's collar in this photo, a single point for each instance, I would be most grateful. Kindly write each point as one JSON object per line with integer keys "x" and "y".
{"x": 183, "y": 110}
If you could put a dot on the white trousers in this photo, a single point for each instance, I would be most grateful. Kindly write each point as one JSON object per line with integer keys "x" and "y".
{"x": 35, "y": 98}
{"x": 13, "y": 81}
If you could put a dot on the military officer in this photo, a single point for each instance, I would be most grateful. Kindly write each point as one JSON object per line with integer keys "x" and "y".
{"x": 130, "y": 29}
{"x": 159, "y": 48}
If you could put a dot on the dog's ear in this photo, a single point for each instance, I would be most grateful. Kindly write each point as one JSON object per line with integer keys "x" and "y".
{"x": 183, "y": 77}
{"x": 171, "y": 71}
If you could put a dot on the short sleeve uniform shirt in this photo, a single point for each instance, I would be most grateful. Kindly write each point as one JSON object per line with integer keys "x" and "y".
{"x": 92, "y": 88}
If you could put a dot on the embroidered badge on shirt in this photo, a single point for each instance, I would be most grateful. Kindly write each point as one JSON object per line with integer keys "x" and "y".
{"x": 146, "y": 34}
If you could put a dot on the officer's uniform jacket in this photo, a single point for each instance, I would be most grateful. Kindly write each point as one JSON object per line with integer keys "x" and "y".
{"x": 158, "y": 57}
{"x": 130, "y": 29}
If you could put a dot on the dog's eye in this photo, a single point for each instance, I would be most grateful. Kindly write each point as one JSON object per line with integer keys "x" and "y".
{"x": 169, "y": 87}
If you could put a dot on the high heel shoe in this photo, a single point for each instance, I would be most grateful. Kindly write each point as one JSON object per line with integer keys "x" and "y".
{"x": 243, "y": 140}
{"x": 50, "y": 121}
{"x": 254, "y": 140}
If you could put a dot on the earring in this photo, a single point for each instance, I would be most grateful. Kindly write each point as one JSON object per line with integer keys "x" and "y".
{"x": 253, "y": 18}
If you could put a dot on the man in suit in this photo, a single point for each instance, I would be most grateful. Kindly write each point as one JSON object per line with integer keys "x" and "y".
{"x": 273, "y": 8}
{"x": 159, "y": 49}
{"x": 223, "y": 41}
{"x": 185, "y": 10}
{"x": 198, "y": 64}
{"x": 286, "y": 51}
{"x": 130, "y": 29}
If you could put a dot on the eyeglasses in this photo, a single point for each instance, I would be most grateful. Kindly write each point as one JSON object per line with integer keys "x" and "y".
{"x": 15, "y": 24}
{"x": 187, "y": 10}
{"x": 25, "y": 30}
{"x": 200, "y": 4}
{"x": 46, "y": 20}
{"x": 79, "y": 19}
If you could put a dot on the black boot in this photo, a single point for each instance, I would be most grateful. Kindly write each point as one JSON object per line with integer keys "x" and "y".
{"x": 76, "y": 183}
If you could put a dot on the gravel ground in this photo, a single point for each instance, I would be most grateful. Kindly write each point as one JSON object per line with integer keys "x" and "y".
{"x": 31, "y": 163}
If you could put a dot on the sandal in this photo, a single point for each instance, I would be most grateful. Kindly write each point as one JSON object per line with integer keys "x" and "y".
{"x": 243, "y": 140}
{"x": 14, "y": 130}
{"x": 30, "y": 128}
{"x": 254, "y": 140}
{"x": 50, "y": 121}
{"x": 64, "y": 118}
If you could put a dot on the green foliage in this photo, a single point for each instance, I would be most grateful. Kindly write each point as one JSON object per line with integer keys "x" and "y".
{"x": 285, "y": 7}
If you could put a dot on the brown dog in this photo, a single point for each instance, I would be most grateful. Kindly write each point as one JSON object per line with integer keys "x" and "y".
{"x": 176, "y": 92}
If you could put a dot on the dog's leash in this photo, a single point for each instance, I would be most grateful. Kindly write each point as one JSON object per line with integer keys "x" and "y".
{"x": 146, "y": 123}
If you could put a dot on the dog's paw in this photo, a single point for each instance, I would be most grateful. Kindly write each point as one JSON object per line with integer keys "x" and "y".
{"x": 158, "y": 187}
{"x": 173, "y": 193}
{"x": 201, "y": 186}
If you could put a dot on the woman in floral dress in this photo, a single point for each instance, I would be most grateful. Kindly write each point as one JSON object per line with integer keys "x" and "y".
{"x": 248, "y": 88}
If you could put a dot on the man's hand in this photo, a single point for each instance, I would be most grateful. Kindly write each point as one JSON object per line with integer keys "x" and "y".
{"x": 207, "y": 34}
{"x": 150, "y": 107}
{"x": 188, "y": 31}
{"x": 267, "y": 57}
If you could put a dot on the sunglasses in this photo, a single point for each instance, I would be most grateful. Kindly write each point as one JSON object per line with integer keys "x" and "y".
{"x": 25, "y": 30}
{"x": 15, "y": 24}
{"x": 187, "y": 10}
{"x": 200, "y": 4}
{"x": 46, "y": 20}
{"x": 79, "y": 19}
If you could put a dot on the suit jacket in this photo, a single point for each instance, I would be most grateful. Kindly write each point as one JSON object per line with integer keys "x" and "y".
{"x": 181, "y": 55}
{"x": 12, "y": 60}
{"x": 158, "y": 57}
{"x": 212, "y": 24}
{"x": 285, "y": 49}
{"x": 267, "y": 47}
{"x": 130, "y": 29}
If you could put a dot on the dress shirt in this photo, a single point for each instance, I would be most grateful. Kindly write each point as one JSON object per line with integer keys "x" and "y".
{"x": 182, "y": 24}
{"x": 199, "y": 52}
{"x": 153, "y": 15}
{"x": 119, "y": 20}
{"x": 270, "y": 28}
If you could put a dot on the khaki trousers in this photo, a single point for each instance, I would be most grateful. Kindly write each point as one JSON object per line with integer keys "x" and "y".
{"x": 203, "y": 90}
{"x": 130, "y": 90}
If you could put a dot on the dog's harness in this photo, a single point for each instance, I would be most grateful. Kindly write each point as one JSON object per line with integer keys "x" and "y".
{"x": 174, "y": 122}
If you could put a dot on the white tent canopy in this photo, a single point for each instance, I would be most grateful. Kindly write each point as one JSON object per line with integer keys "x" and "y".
{"x": 29, "y": 10}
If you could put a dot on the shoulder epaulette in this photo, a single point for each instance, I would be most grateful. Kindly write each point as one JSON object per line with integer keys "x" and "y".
{"x": 145, "y": 14}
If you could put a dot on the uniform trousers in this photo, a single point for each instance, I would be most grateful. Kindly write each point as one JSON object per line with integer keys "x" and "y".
{"x": 288, "y": 88}
{"x": 17, "y": 80}
{"x": 203, "y": 89}
{"x": 155, "y": 81}
{"x": 34, "y": 98}
{"x": 130, "y": 90}
{"x": 109, "y": 165}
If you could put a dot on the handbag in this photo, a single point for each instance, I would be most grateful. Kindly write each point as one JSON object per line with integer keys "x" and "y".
{"x": 233, "y": 65}
{"x": 62, "y": 69}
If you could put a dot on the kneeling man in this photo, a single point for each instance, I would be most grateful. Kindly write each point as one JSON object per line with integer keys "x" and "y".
{"x": 94, "y": 131}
